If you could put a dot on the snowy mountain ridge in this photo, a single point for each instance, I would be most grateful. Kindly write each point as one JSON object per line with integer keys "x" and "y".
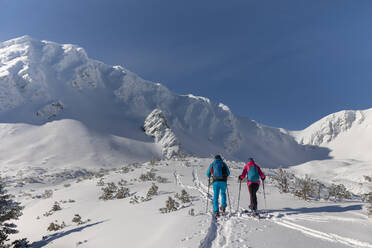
{"x": 42, "y": 81}
{"x": 328, "y": 128}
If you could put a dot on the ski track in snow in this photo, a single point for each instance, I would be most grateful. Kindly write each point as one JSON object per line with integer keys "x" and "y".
{"x": 229, "y": 231}
{"x": 322, "y": 235}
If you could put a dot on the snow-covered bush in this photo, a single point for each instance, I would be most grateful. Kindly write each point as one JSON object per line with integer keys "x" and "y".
{"x": 77, "y": 219}
{"x": 56, "y": 207}
{"x": 170, "y": 206}
{"x": 20, "y": 243}
{"x": 48, "y": 193}
{"x": 160, "y": 179}
{"x": 282, "y": 178}
{"x": 55, "y": 226}
{"x": 108, "y": 192}
{"x": 184, "y": 197}
{"x": 152, "y": 191}
{"x": 122, "y": 192}
{"x": 304, "y": 187}
{"x": 368, "y": 178}
{"x": 137, "y": 199}
{"x": 192, "y": 212}
{"x": 149, "y": 176}
{"x": 101, "y": 182}
{"x": 338, "y": 192}
{"x": 122, "y": 182}
{"x": 9, "y": 210}
{"x": 67, "y": 185}
{"x": 111, "y": 191}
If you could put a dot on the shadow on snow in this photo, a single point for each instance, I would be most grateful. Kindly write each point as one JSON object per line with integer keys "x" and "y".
{"x": 49, "y": 238}
{"x": 325, "y": 209}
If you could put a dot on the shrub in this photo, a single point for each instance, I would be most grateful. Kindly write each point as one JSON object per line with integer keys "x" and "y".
{"x": 192, "y": 212}
{"x": 55, "y": 226}
{"x": 368, "y": 178}
{"x": 101, "y": 182}
{"x": 67, "y": 185}
{"x": 152, "y": 191}
{"x": 122, "y": 182}
{"x": 160, "y": 179}
{"x": 122, "y": 192}
{"x": 56, "y": 207}
{"x": 77, "y": 219}
{"x": 304, "y": 187}
{"x": 20, "y": 243}
{"x": 9, "y": 210}
{"x": 48, "y": 193}
{"x": 136, "y": 199}
{"x": 170, "y": 206}
{"x": 108, "y": 192}
{"x": 338, "y": 192}
{"x": 282, "y": 178}
{"x": 111, "y": 191}
{"x": 149, "y": 176}
{"x": 184, "y": 197}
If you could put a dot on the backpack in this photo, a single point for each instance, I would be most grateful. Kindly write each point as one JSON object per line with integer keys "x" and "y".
{"x": 219, "y": 170}
{"x": 253, "y": 175}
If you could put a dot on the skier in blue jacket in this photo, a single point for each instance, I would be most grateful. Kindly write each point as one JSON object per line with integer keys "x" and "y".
{"x": 219, "y": 171}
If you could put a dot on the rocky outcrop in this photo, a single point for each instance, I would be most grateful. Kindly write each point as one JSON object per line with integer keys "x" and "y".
{"x": 156, "y": 125}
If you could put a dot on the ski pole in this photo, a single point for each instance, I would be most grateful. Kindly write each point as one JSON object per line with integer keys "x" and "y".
{"x": 240, "y": 187}
{"x": 228, "y": 196}
{"x": 263, "y": 187}
{"x": 209, "y": 184}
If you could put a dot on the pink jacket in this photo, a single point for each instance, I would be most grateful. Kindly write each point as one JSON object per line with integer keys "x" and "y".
{"x": 246, "y": 169}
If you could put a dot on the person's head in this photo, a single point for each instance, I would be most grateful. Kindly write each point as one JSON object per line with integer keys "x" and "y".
{"x": 217, "y": 156}
{"x": 250, "y": 159}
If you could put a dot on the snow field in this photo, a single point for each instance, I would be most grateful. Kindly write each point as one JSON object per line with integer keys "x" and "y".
{"x": 289, "y": 221}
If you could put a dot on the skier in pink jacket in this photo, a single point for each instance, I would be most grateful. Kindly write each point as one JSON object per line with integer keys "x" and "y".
{"x": 254, "y": 173}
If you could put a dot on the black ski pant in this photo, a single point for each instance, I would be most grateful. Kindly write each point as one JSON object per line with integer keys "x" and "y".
{"x": 253, "y": 188}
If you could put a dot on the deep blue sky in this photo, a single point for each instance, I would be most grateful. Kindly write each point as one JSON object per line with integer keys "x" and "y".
{"x": 284, "y": 63}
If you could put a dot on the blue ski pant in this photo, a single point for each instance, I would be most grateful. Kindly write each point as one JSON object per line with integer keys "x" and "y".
{"x": 218, "y": 187}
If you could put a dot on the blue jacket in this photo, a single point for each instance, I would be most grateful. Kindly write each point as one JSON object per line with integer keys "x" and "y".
{"x": 219, "y": 170}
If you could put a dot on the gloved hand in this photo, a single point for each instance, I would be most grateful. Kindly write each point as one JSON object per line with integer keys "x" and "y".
{"x": 239, "y": 178}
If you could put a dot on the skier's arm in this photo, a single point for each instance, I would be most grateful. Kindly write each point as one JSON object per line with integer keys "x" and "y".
{"x": 227, "y": 170}
{"x": 209, "y": 170}
{"x": 261, "y": 173}
{"x": 244, "y": 173}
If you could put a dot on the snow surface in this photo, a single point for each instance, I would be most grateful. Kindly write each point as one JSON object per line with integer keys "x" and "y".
{"x": 288, "y": 223}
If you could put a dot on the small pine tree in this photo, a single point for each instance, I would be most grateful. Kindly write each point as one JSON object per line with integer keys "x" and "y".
{"x": 20, "y": 243}
{"x": 282, "y": 178}
{"x": 184, "y": 197}
{"x": 152, "y": 191}
{"x": 304, "y": 187}
{"x": 369, "y": 208}
{"x": 338, "y": 192}
{"x": 122, "y": 192}
{"x": 77, "y": 219}
{"x": 56, "y": 207}
{"x": 54, "y": 227}
{"x": 170, "y": 205}
{"x": 192, "y": 212}
{"x": 9, "y": 210}
{"x": 108, "y": 192}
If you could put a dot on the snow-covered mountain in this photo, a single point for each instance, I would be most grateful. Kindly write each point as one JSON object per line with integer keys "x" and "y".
{"x": 42, "y": 81}
{"x": 347, "y": 133}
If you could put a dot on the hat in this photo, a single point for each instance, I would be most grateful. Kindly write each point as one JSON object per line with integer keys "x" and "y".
{"x": 217, "y": 156}
{"x": 250, "y": 159}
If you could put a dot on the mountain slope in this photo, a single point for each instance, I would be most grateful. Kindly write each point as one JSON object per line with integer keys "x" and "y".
{"x": 41, "y": 81}
{"x": 346, "y": 133}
